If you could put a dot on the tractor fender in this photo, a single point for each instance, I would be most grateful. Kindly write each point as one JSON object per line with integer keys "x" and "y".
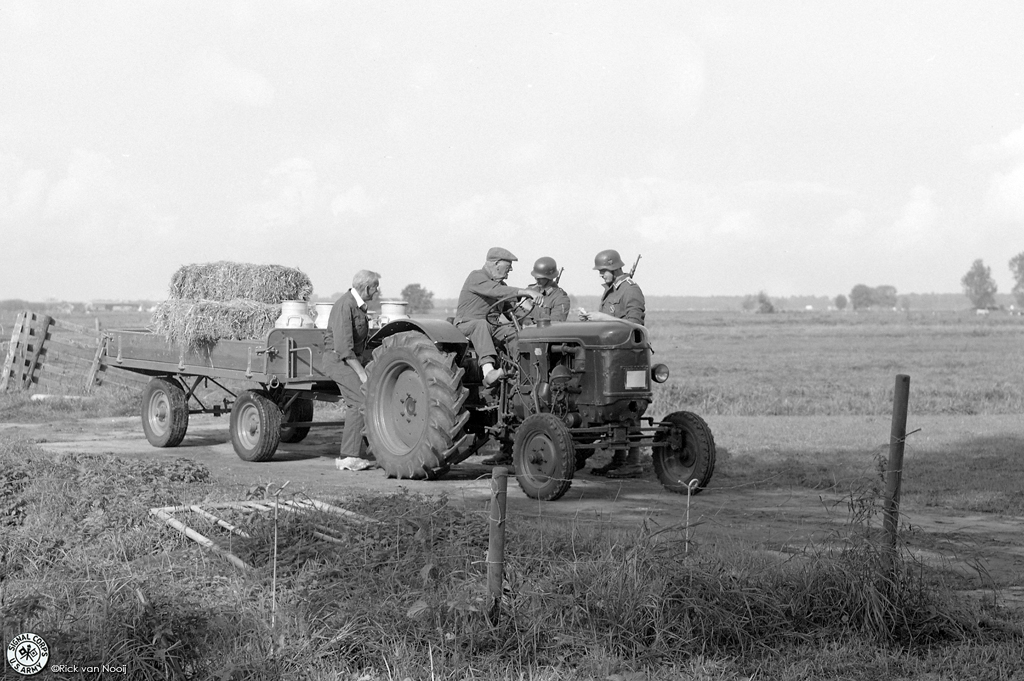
{"x": 444, "y": 335}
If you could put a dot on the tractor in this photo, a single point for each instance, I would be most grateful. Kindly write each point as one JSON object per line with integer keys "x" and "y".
{"x": 572, "y": 388}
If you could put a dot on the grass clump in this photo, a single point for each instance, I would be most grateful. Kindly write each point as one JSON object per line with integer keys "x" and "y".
{"x": 404, "y": 596}
{"x": 104, "y": 401}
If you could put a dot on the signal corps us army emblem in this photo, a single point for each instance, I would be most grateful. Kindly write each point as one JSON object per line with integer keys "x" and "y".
{"x": 28, "y": 654}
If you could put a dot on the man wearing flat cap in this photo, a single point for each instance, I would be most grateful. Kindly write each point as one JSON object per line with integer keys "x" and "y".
{"x": 482, "y": 289}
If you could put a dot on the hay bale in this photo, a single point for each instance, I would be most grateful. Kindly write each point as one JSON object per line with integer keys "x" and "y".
{"x": 197, "y": 324}
{"x": 226, "y": 281}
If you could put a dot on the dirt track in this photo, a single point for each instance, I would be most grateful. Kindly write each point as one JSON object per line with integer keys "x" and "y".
{"x": 774, "y": 520}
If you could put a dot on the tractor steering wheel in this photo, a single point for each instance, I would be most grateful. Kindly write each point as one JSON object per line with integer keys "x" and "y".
{"x": 515, "y": 316}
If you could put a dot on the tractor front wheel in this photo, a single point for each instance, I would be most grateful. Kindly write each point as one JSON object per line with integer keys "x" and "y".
{"x": 544, "y": 457}
{"x": 414, "y": 410}
{"x": 684, "y": 452}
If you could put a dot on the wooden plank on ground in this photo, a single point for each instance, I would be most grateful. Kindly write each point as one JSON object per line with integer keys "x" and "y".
{"x": 12, "y": 351}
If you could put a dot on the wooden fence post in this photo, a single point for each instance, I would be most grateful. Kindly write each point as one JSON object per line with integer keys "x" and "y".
{"x": 35, "y": 353}
{"x": 894, "y": 475}
{"x": 12, "y": 351}
{"x": 496, "y": 542}
{"x": 94, "y": 368}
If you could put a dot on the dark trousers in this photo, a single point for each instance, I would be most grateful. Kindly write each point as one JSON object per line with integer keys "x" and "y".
{"x": 352, "y": 392}
{"x": 478, "y": 331}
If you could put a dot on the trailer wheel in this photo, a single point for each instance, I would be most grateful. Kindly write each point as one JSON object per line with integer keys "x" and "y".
{"x": 164, "y": 412}
{"x": 544, "y": 457}
{"x": 684, "y": 451}
{"x": 255, "y": 426}
{"x": 414, "y": 410}
{"x": 301, "y": 410}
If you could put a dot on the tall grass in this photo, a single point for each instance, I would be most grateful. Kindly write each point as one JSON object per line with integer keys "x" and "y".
{"x": 83, "y": 566}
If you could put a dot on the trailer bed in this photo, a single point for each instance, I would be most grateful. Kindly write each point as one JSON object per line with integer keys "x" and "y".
{"x": 288, "y": 357}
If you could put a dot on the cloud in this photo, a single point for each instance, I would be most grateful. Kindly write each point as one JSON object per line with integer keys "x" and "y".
{"x": 674, "y": 80}
{"x": 22, "y": 190}
{"x": 24, "y": 16}
{"x": 292, "y": 193}
{"x": 1004, "y": 200}
{"x": 89, "y": 186}
{"x": 354, "y": 200}
{"x": 483, "y": 211}
{"x": 852, "y": 224}
{"x": 222, "y": 79}
{"x": 919, "y": 219}
{"x": 1011, "y": 146}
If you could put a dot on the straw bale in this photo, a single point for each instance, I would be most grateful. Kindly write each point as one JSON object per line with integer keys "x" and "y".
{"x": 196, "y": 324}
{"x": 227, "y": 281}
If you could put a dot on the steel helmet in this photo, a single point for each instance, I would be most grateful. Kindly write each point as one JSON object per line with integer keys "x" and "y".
{"x": 545, "y": 268}
{"x": 608, "y": 260}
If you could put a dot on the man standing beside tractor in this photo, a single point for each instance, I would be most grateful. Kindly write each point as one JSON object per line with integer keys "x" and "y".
{"x": 344, "y": 344}
{"x": 483, "y": 288}
{"x": 622, "y": 299}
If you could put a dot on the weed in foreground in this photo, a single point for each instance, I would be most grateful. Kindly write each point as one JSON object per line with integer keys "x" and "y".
{"x": 404, "y": 597}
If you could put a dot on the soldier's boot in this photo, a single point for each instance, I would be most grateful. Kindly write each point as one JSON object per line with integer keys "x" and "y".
{"x": 630, "y": 468}
{"x": 618, "y": 460}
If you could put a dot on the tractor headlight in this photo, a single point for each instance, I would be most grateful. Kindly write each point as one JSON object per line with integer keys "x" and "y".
{"x": 659, "y": 372}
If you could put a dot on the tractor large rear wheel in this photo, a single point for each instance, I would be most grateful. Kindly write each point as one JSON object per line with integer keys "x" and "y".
{"x": 684, "y": 451}
{"x": 544, "y": 457}
{"x": 414, "y": 410}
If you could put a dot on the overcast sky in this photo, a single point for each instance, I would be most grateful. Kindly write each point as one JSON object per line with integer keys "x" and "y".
{"x": 791, "y": 147}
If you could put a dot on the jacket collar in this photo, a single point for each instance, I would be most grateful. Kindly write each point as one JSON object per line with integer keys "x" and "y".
{"x": 359, "y": 301}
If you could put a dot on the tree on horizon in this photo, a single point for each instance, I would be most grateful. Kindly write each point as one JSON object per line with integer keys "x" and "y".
{"x": 1017, "y": 269}
{"x": 419, "y": 298}
{"x": 979, "y": 286}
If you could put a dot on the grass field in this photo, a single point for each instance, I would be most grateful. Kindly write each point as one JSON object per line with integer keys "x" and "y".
{"x": 831, "y": 364}
{"x": 802, "y": 398}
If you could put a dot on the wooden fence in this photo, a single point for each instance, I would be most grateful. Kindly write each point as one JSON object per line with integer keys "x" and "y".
{"x": 45, "y": 354}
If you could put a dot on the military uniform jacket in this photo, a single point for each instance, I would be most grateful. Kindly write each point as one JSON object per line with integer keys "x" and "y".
{"x": 624, "y": 299}
{"x": 553, "y": 304}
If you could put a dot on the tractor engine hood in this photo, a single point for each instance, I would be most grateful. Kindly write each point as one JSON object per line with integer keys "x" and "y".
{"x": 588, "y": 334}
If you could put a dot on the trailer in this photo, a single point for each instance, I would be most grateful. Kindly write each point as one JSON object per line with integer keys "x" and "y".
{"x": 281, "y": 375}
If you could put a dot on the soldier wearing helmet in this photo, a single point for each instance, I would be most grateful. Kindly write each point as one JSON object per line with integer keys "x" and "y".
{"x": 483, "y": 288}
{"x": 553, "y": 303}
{"x": 622, "y": 298}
